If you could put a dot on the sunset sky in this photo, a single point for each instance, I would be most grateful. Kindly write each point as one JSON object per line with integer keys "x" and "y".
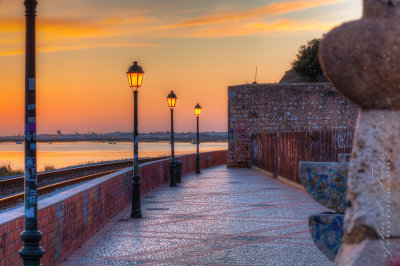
{"x": 195, "y": 47}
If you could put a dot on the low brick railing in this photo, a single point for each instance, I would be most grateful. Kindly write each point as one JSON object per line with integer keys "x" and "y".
{"x": 69, "y": 218}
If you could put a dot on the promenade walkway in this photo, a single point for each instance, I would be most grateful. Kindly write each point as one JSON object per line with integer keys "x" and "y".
{"x": 223, "y": 216}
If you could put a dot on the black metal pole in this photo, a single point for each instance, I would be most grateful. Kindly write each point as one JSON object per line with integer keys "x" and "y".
{"x": 173, "y": 164}
{"x": 198, "y": 149}
{"x": 136, "y": 209}
{"x": 31, "y": 253}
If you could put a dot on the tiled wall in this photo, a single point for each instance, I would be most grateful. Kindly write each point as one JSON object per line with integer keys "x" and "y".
{"x": 68, "y": 219}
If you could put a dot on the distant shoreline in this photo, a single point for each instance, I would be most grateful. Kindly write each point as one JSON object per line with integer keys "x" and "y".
{"x": 110, "y": 140}
{"x": 123, "y": 137}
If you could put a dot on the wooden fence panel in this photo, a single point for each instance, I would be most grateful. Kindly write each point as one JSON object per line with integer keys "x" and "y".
{"x": 280, "y": 153}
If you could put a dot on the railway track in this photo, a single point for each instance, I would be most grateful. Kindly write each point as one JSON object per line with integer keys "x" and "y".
{"x": 11, "y": 190}
{"x": 13, "y": 200}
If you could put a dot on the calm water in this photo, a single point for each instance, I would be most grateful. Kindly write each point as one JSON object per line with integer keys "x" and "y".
{"x": 63, "y": 154}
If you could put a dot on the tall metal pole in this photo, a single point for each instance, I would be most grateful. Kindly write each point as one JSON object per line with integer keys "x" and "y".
{"x": 198, "y": 149}
{"x": 136, "y": 209}
{"x": 173, "y": 164}
{"x": 31, "y": 253}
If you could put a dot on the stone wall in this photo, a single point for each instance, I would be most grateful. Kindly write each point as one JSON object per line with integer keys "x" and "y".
{"x": 68, "y": 219}
{"x": 263, "y": 108}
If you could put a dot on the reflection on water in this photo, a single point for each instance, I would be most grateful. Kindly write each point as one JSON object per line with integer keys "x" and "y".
{"x": 63, "y": 154}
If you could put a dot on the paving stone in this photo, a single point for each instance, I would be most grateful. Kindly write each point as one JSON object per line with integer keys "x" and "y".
{"x": 221, "y": 217}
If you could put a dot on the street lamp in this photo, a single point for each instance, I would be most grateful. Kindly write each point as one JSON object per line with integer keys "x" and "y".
{"x": 135, "y": 78}
{"x": 197, "y": 112}
{"x": 31, "y": 253}
{"x": 171, "y": 104}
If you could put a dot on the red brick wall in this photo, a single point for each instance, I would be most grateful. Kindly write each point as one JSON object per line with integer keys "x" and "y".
{"x": 69, "y": 221}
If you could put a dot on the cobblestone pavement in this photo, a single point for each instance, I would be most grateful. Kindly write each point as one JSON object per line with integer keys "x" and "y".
{"x": 223, "y": 216}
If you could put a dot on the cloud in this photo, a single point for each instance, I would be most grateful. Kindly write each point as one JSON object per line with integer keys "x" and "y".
{"x": 72, "y": 33}
{"x": 255, "y": 13}
{"x": 280, "y": 26}
{"x": 54, "y": 34}
{"x": 11, "y": 24}
{"x": 55, "y": 28}
{"x": 47, "y": 48}
{"x": 70, "y": 47}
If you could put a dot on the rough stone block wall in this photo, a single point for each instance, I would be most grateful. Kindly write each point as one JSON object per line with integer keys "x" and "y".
{"x": 68, "y": 219}
{"x": 263, "y": 108}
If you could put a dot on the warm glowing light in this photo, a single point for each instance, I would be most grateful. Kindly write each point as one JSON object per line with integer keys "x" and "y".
{"x": 135, "y": 75}
{"x": 101, "y": 34}
{"x": 171, "y": 99}
{"x": 197, "y": 110}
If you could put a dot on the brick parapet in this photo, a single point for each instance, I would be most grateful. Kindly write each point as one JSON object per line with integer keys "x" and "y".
{"x": 69, "y": 218}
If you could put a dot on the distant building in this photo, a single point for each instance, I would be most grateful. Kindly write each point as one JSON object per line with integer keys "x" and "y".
{"x": 59, "y": 133}
{"x": 292, "y": 77}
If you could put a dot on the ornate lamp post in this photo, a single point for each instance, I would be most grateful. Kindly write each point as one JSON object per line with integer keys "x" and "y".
{"x": 171, "y": 104}
{"x": 197, "y": 112}
{"x": 31, "y": 253}
{"x": 135, "y": 78}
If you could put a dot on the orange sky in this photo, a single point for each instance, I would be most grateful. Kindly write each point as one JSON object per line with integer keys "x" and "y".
{"x": 196, "y": 48}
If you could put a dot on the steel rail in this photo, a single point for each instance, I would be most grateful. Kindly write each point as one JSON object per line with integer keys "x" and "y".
{"x": 17, "y": 198}
{"x": 10, "y": 201}
{"x": 62, "y": 171}
{"x": 46, "y": 177}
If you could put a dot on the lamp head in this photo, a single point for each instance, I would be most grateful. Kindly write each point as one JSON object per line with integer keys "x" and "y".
{"x": 197, "y": 110}
{"x": 135, "y": 75}
{"x": 171, "y": 100}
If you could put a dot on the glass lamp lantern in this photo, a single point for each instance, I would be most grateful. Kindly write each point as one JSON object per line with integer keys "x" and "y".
{"x": 197, "y": 110}
{"x": 135, "y": 76}
{"x": 171, "y": 100}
